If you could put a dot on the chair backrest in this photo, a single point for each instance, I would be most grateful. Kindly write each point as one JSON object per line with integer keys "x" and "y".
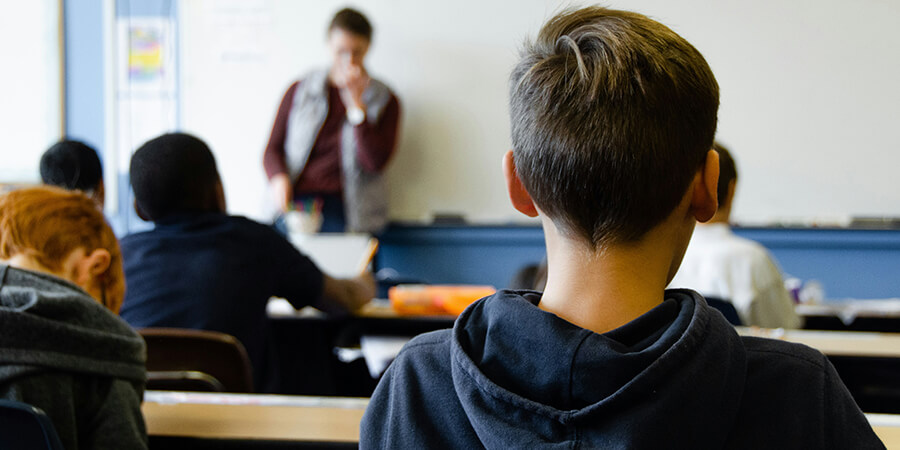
{"x": 726, "y": 308}
{"x": 24, "y": 427}
{"x": 196, "y": 360}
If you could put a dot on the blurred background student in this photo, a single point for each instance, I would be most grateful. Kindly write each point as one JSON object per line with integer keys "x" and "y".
{"x": 722, "y": 265}
{"x": 62, "y": 347}
{"x": 201, "y": 268}
{"x": 333, "y": 135}
{"x": 74, "y": 165}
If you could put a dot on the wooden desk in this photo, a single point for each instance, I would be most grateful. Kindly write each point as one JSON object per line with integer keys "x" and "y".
{"x": 887, "y": 427}
{"x": 305, "y": 341}
{"x": 853, "y": 315}
{"x": 303, "y": 419}
{"x": 378, "y": 308}
{"x": 253, "y": 417}
{"x": 836, "y": 343}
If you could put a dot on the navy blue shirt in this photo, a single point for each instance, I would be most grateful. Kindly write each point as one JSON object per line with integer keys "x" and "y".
{"x": 215, "y": 272}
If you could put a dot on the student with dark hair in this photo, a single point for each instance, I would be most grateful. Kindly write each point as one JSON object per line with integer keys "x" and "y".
{"x": 334, "y": 134}
{"x": 75, "y": 166}
{"x": 200, "y": 268}
{"x": 720, "y": 264}
{"x": 613, "y": 117}
{"x": 62, "y": 348}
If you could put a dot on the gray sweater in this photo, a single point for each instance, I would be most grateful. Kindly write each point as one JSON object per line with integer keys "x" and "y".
{"x": 65, "y": 353}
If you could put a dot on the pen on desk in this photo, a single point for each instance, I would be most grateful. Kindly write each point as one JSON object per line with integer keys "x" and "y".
{"x": 368, "y": 255}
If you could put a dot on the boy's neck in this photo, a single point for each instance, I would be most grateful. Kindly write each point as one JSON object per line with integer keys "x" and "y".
{"x": 603, "y": 289}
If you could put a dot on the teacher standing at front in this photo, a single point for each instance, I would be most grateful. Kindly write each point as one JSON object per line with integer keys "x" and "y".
{"x": 334, "y": 133}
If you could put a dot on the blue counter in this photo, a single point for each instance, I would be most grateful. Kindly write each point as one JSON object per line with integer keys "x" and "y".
{"x": 849, "y": 262}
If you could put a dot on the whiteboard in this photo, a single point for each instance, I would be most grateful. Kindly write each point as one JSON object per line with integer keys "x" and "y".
{"x": 30, "y": 87}
{"x": 809, "y": 92}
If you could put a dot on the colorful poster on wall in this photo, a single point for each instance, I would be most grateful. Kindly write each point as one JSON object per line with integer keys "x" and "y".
{"x": 146, "y": 56}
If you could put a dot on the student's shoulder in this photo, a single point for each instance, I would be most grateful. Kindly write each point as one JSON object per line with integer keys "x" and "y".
{"x": 426, "y": 351}
{"x": 777, "y": 370}
{"x": 777, "y": 353}
{"x": 428, "y": 343}
{"x": 250, "y": 224}
{"x": 735, "y": 244}
{"x": 137, "y": 237}
{"x": 252, "y": 228}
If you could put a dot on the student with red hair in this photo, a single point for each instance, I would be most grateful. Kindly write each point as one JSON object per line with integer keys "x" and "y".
{"x": 63, "y": 348}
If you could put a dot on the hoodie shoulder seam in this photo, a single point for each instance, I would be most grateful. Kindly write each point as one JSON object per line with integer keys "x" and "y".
{"x": 809, "y": 359}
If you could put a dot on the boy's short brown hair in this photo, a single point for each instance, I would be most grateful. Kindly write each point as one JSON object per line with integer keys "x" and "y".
{"x": 612, "y": 115}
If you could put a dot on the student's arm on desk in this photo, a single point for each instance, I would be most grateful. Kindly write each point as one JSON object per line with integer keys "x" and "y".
{"x": 350, "y": 293}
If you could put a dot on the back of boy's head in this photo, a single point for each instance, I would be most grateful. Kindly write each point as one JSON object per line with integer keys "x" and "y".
{"x": 727, "y": 172}
{"x": 612, "y": 115}
{"x": 174, "y": 174}
{"x": 71, "y": 165}
{"x": 48, "y": 223}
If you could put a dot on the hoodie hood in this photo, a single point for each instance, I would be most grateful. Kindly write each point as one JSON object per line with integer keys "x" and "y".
{"x": 50, "y": 324}
{"x": 672, "y": 373}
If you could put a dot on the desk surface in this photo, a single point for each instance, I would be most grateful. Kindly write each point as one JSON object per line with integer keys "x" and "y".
{"x": 291, "y": 418}
{"x": 848, "y": 310}
{"x": 836, "y": 343}
{"x": 887, "y": 427}
{"x": 376, "y": 309}
{"x": 249, "y": 416}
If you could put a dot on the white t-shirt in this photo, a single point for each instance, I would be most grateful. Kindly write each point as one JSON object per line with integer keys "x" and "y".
{"x": 720, "y": 264}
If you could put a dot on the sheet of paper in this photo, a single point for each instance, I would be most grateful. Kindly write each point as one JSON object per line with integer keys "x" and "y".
{"x": 380, "y": 351}
{"x": 340, "y": 255}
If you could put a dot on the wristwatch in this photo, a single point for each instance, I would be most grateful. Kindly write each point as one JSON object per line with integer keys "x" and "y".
{"x": 355, "y": 115}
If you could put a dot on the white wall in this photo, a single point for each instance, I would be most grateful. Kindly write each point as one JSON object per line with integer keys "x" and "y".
{"x": 30, "y": 87}
{"x": 810, "y": 98}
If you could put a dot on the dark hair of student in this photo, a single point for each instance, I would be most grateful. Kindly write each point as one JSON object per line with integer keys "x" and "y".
{"x": 351, "y": 20}
{"x": 172, "y": 174}
{"x": 612, "y": 115}
{"x": 727, "y": 172}
{"x": 71, "y": 165}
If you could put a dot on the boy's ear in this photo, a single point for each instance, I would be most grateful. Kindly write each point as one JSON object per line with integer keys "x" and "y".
{"x": 91, "y": 266}
{"x": 520, "y": 198}
{"x": 704, "y": 199}
{"x": 98, "y": 261}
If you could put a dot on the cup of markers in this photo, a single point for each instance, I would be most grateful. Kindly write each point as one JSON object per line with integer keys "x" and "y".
{"x": 304, "y": 217}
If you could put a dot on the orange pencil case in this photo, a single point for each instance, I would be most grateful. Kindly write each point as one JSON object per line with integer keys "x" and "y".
{"x": 430, "y": 300}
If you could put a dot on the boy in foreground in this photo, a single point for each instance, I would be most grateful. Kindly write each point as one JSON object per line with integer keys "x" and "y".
{"x": 613, "y": 117}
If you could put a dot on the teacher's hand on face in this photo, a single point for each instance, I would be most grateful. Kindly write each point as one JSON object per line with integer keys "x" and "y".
{"x": 352, "y": 80}
{"x": 281, "y": 189}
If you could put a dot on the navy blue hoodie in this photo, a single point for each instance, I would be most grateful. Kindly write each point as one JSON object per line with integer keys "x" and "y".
{"x": 509, "y": 375}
